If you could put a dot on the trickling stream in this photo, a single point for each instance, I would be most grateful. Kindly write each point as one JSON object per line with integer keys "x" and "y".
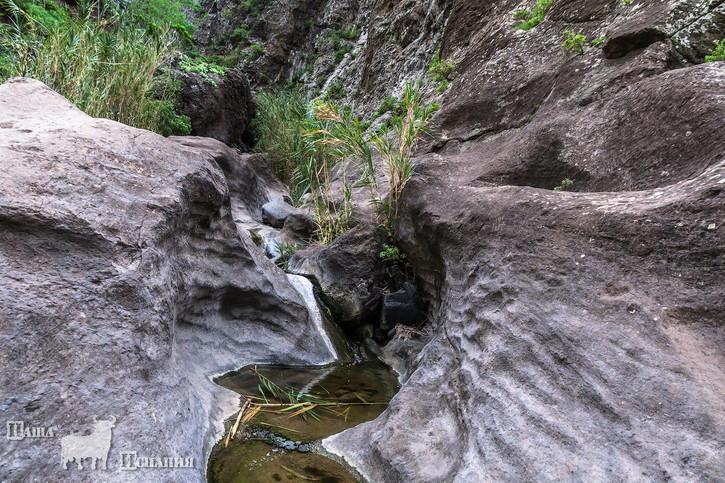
{"x": 279, "y": 447}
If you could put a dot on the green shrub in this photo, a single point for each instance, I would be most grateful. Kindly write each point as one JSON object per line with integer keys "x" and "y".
{"x": 335, "y": 91}
{"x": 391, "y": 253}
{"x": 565, "y": 185}
{"x": 240, "y": 34}
{"x": 598, "y": 41}
{"x": 255, "y": 51}
{"x": 443, "y": 72}
{"x": 340, "y": 54}
{"x": 574, "y": 42}
{"x": 718, "y": 53}
{"x": 349, "y": 33}
{"x": 529, "y": 19}
{"x": 162, "y": 13}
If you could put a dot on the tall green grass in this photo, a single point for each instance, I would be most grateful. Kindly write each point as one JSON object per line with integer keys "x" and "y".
{"x": 311, "y": 143}
{"x": 101, "y": 60}
{"x": 279, "y": 127}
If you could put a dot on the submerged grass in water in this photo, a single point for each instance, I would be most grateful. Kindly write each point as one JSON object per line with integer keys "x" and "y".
{"x": 343, "y": 396}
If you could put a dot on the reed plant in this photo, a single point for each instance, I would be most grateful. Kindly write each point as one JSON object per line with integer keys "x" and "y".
{"x": 99, "y": 59}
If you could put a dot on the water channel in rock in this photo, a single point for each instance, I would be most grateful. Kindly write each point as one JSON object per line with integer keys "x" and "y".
{"x": 276, "y": 446}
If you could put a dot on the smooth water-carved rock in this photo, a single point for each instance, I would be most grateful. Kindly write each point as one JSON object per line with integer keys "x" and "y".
{"x": 573, "y": 335}
{"x": 349, "y": 272}
{"x": 124, "y": 284}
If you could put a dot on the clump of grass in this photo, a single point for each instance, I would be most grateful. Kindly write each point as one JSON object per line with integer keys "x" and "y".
{"x": 100, "y": 60}
{"x": 308, "y": 148}
{"x": 529, "y": 19}
{"x": 279, "y": 127}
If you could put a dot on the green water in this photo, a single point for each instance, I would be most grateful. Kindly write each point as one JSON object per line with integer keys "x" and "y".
{"x": 250, "y": 459}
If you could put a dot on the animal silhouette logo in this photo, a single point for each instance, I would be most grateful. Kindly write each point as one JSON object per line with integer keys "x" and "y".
{"x": 95, "y": 446}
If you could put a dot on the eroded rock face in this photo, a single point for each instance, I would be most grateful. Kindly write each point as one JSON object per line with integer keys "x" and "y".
{"x": 575, "y": 335}
{"x": 124, "y": 284}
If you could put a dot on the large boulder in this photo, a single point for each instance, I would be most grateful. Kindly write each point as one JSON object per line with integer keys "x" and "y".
{"x": 219, "y": 106}
{"x": 349, "y": 273}
{"x": 124, "y": 285}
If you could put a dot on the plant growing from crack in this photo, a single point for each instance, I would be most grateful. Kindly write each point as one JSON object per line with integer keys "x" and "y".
{"x": 529, "y": 19}
{"x": 345, "y": 135}
{"x": 574, "y": 43}
{"x": 718, "y": 53}
{"x": 443, "y": 72}
{"x": 565, "y": 185}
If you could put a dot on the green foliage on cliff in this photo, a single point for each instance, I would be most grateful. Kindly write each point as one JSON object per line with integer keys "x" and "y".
{"x": 718, "y": 53}
{"x": 531, "y": 18}
{"x": 103, "y": 60}
{"x": 443, "y": 72}
{"x": 575, "y": 43}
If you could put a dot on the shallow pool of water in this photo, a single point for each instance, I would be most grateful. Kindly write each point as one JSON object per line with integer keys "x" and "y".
{"x": 351, "y": 394}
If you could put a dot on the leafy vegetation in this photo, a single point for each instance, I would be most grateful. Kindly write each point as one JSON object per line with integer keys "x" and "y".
{"x": 575, "y": 43}
{"x": 201, "y": 66}
{"x": 105, "y": 61}
{"x": 598, "y": 41}
{"x": 311, "y": 143}
{"x": 565, "y": 185}
{"x": 529, "y": 19}
{"x": 391, "y": 253}
{"x": 443, "y": 72}
{"x": 335, "y": 91}
{"x": 624, "y": 3}
{"x": 718, "y": 53}
{"x": 279, "y": 128}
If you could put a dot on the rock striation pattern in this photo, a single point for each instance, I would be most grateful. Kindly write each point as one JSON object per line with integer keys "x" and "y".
{"x": 575, "y": 335}
{"x": 124, "y": 285}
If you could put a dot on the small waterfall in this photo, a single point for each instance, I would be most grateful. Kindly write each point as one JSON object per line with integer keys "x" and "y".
{"x": 305, "y": 289}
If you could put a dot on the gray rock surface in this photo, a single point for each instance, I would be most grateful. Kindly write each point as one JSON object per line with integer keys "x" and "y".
{"x": 124, "y": 284}
{"x": 276, "y": 211}
{"x": 575, "y": 336}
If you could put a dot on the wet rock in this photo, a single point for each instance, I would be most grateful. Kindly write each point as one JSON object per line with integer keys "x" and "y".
{"x": 303, "y": 448}
{"x": 349, "y": 272}
{"x": 405, "y": 306}
{"x": 121, "y": 260}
